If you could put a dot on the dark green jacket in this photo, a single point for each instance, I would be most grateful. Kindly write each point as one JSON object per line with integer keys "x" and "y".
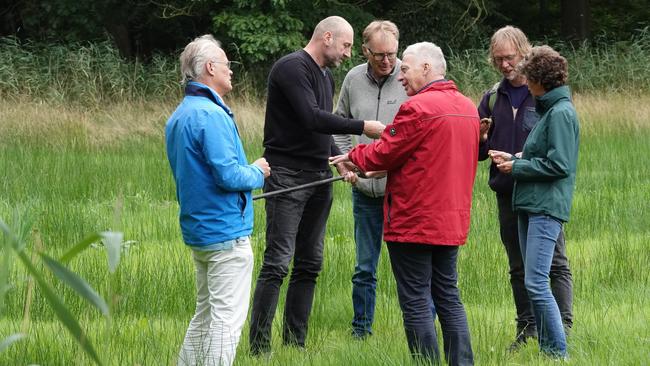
{"x": 546, "y": 173}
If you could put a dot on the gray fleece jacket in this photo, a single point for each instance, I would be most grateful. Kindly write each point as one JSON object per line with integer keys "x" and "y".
{"x": 362, "y": 97}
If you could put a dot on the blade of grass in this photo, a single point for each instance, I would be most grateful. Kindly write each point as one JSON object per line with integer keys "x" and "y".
{"x": 61, "y": 311}
{"x": 10, "y": 340}
{"x": 80, "y": 247}
{"x": 76, "y": 283}
{"x": 113, "y": 242}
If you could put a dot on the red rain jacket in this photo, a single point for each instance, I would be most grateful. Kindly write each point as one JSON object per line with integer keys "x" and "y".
{"x": 430, "y": 154}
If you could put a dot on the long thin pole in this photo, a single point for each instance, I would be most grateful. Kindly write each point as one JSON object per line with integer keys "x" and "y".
{"x": 302, "y": 186}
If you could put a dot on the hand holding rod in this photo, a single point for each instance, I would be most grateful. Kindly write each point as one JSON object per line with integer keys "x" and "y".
{"x": 302, "y": 186}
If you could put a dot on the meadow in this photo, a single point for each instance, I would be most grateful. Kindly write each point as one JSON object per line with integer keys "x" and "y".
{"x": 72, "y": 170}
{"x": 82, "y": 151}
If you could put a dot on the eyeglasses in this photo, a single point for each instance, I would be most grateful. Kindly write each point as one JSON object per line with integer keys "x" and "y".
{"x": 229, "y": 64}
{"x": 380, "y": 56}
{"x": 507, "y": 58}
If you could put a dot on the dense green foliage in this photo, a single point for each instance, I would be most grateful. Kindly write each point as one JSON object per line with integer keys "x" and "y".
{"x": 258, "y": 30}
{"x": 68, "y": 167}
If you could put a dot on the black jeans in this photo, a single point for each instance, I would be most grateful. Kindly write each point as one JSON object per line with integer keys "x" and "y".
{"x": 295, "y": 229}
{"x": 424, "y": 273}
{"x": 561, "y": 278}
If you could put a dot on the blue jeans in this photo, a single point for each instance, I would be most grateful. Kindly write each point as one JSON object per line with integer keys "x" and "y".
{"x": 537, "y": 236}
{"x": 561, "y": 277}
{"x": 368, "y": 228}
{"x": 424, "y": 273}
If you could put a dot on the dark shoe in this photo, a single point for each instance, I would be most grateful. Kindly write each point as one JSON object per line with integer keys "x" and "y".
{"x": 360, "y": 335}
{"x": 522, "y": 338}
{"x": 257, "y": 350}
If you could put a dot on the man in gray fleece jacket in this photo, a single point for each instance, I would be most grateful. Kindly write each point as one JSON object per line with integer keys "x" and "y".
{"x": 370, "y": 91}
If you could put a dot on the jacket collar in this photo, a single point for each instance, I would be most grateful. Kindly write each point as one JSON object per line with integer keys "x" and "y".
{"x": 393, "y": 74}
{"x": 551, "y": 97}
{"x": 440, "y": 84}
{"x": 194, "y": 88}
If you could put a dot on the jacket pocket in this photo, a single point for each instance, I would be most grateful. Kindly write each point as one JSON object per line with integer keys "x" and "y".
{"x": 530, "y": 119}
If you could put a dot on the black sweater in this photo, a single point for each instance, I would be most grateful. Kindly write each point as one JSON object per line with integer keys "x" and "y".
{"x": 299, "y": 121}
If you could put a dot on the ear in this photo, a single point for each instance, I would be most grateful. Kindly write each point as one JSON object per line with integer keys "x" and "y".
{"x": 209, "y": 68}
{"x": 365, "y": 51}
{"x": 327, "y": 38}
{"x": 426, "y": 68}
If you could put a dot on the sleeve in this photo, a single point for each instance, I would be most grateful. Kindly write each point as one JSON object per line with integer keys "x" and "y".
{"x": 220, "y": 145}
{"x": 293, "y": 79}
{"x": 344, "y": 142}
{"x": 396, "y": 144}
{"x": 484, "y": 112}
{"x": 562, "y": 138}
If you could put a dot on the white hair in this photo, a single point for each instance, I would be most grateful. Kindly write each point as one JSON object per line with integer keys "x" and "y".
{"x": 427, "y": 52}
{"x": 196, "y": 54}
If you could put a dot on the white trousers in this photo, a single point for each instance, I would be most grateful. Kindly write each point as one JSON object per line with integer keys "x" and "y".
{"x": 223, "y": 282}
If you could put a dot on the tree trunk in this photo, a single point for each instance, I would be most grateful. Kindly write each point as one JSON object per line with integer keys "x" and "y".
{"x": 575, "y": 19}
{"x": 543, "y": 16}
{"x": 121, "y": 37}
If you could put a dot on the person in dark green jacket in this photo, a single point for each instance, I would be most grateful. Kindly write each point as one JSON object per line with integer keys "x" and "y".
{"x": 544, "y": 174}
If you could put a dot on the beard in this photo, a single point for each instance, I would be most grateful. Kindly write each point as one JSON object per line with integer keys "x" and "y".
{"x": 332, "y": 61}
{"x": 512, "y": 75}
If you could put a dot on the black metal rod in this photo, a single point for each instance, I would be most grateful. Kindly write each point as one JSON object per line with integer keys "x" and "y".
{"x": 302, "y": 186}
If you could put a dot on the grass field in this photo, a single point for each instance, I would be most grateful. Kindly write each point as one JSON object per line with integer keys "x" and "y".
{"x": 67, "y": 167}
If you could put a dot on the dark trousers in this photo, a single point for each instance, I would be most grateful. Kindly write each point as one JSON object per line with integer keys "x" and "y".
{"x": 424, "y": 273}
{"x": 295, "y": 229}
{"x": 560, "y": 275}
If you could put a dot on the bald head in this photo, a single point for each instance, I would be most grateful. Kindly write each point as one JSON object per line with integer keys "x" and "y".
{"x": 334, "y": 24}
{"x": 331, "y": 42}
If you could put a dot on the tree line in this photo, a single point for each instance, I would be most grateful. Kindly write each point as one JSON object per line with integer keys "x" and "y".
{"x": 256, "y": 32}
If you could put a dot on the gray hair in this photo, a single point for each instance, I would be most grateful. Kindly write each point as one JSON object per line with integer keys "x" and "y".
{"x": 196, "y": 54}
{"x": 509, "y": 34}
{"x": 383, "y": 26}
{"x": 334, "y": 24}
{"x": 429, "y": 53}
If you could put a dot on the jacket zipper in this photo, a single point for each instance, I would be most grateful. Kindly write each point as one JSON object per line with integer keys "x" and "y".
{"x": 372, "y": 182}
{"x": 242, "y": 199}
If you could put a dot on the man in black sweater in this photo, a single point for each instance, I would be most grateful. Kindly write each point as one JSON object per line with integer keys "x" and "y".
{"x": 297, "y": 144}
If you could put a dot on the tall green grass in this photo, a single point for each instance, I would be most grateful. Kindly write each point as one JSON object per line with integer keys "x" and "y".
{"x": 69, "y": 165}
{"x": 90, "y": 74}
{"x": 94, "y": 74}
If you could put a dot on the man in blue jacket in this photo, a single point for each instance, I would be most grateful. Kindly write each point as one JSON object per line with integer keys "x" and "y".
{"x": 511, "y": 109}
{"x": 213, "y": 187}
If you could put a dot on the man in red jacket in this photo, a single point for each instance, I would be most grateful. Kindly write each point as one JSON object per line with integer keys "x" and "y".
{"x": 429, "y": 154}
